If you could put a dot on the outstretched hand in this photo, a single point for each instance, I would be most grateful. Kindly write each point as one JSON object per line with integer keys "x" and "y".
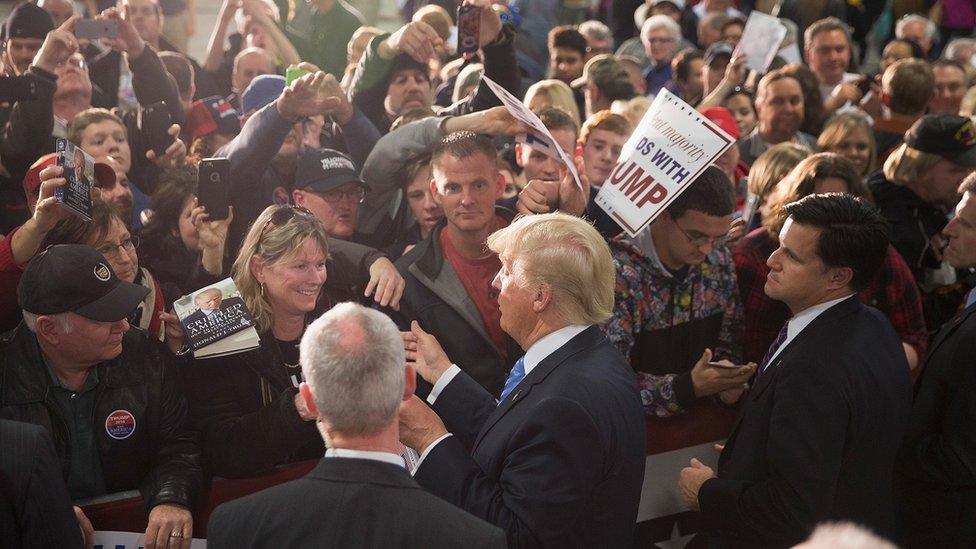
{"x": 425, "y": 353}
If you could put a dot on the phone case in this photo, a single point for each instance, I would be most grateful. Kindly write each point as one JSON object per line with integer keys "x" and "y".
{"x": 213, "y": 187}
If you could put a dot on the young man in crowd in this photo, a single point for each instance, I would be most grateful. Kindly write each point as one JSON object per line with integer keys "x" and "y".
{"x": 567, "y": 53}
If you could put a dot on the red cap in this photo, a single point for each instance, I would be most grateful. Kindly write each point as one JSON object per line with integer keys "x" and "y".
{"x": 104, "y": 176}
{"x": 722, "y": 118}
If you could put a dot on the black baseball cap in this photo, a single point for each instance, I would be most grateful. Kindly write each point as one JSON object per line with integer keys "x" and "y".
{"x": 947, "y": 135}
{"x": 322, "y": 170}
{"x": 27, "y": 21}
{"x": 74, "y": 278}
{"x": 718, "y": 49}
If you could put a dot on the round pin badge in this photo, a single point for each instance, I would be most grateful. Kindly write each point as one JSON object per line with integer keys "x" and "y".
{"x": 120, "y": 424}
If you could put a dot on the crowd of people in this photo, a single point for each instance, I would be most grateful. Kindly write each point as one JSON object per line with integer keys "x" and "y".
{"x": 471, "y": 347}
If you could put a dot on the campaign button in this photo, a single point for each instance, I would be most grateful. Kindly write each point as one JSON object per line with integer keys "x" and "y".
{"x": 120, "y": 424}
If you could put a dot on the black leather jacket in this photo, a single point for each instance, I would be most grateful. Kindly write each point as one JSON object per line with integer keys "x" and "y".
{"x": 160, "y": 457}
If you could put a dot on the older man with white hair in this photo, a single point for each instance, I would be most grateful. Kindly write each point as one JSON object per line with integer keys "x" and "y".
{"x": 918, "y": 29}
{"x": 660, "y": 36}
{"x": 559, "y": 461}
{"x": 360, "y": 493}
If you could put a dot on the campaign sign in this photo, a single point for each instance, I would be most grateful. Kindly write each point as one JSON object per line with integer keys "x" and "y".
{"x": 672, "y": 145}
{"x": 107, "y": 539}
{"x": 79, "y": 173}
{"x": 540, "y": 139}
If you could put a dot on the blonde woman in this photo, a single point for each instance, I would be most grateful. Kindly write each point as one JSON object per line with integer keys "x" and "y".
{"x": 849, "y": 135}
{"x": 246, "y": 406}
{"x": 893, "y": 290}
{"x": 767, "y": 171}
{"x": 552, "y": 93}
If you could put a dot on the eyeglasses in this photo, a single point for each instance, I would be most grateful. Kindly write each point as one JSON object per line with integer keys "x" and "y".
{"x": 701, "y": 240}
{"x": 656, "y": 40}
{"x": 283, "y": 215}
{"x": 357, "y": 195}
{"x": 110, "y": 250}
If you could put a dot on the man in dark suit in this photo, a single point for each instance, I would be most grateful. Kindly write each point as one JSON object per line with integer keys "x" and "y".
{"x": 818, "y": 431}
{"x": 360, "y": 494}
{"x": 559, "y": 462}
{"x": 35, "y": 510}
{"x": 935, "y": 474}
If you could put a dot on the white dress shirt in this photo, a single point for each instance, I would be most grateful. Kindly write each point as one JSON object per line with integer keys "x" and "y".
{"x": 539, "y": 351}
{"x": 385, "y": 457}
{"x": 800, "y": 321}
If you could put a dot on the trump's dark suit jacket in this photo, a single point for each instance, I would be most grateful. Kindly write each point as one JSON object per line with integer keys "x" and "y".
{"x": 936, "y": 469}
{"x": 560, "y": 463}
{"x": 347, "y": 502}
{"x": 816, "y": 436}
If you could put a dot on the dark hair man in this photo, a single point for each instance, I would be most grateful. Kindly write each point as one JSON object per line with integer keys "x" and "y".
{"x": 819, "y": 428}
{"x": 779, "y": 115}
{"x": 567, "y": 51}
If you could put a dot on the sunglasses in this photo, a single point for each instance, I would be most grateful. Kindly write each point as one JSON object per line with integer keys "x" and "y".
{"x": 283, "y": 215}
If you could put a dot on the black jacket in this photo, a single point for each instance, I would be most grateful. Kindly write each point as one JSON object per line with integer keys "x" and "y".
{"x": 160, "y": 457}
{"x": 25, "y": 134}
{"x": 244, "y": 407}
{"x": 816, "y": 436}
{"x": 913, "y": 222}
{"x": 35, "y": 510}
{"x": 347, "y": 502}
{"x": 435, "y": 297}
{"x": 936, "y": 469}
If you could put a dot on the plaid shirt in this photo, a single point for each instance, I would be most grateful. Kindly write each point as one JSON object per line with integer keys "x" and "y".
{"x": 893, "y": 292}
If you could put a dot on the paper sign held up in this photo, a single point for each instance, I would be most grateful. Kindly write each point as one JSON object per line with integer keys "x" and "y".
{"x": 540, "y": 138}
{"x": 670, "y": 148}
{"x": 761, "y": 39}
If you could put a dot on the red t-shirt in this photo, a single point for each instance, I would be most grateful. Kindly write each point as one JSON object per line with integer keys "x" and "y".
{"x": 476, "y": 276}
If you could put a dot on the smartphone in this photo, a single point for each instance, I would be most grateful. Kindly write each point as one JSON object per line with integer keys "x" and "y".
{"x": 293, "y": 73}
{"x": 93, "y": 29}
{"x": 17, "y": 88}
{"x": 213, "y": 187}
{"x": 155, "y": 125}
{"x": 469, "y": 28}
{"x": 726, "y": 366}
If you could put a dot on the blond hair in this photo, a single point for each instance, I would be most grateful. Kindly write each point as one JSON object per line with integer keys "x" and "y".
{"x": 552, "y": 93}
{"x": 272, "y": 244}
{"x": 566, "y": 254}
{"x": 840, "y": 127}
{"x": 772, "y": 165}
{"x": 88, "y": 117}
{"x": 905, "y": 165}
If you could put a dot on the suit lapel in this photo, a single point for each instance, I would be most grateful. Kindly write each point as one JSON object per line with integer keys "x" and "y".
{"x": 950, "y": 328}
{"x": 764, "y": 380}
{"x": 583, "y": 340}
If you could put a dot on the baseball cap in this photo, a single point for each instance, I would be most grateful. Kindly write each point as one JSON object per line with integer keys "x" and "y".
{"x": 76, "y": 278}
{"x": 261, "y": 91}
{"x": 605, "y": 71}
{"x": 104, "y": 174}
{"x": 323, "y": 170}
{"x": 212, "y": 115}
{"x": 717, "y": 49}
{"x": 27, "y": 21}
{"x": 723, "y": 118}
{"x": 947, "y": 135}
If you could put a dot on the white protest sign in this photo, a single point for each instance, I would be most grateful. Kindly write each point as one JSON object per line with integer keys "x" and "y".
{"x": 671, "y": 146}
{"x": 540, "y": 139}
{"x": 105, "y": 539}
{"x": 760, "y": 40}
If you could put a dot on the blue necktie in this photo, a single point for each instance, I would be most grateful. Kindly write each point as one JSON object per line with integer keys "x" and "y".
{"x": 514, "y": 377}
{"x": 780, "y": 338}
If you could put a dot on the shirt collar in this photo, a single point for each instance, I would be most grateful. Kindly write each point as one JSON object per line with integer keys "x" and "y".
{"x": 802, "y": 319}
{"x": 548, "y": 344}
{"x": 386, "y": 457}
